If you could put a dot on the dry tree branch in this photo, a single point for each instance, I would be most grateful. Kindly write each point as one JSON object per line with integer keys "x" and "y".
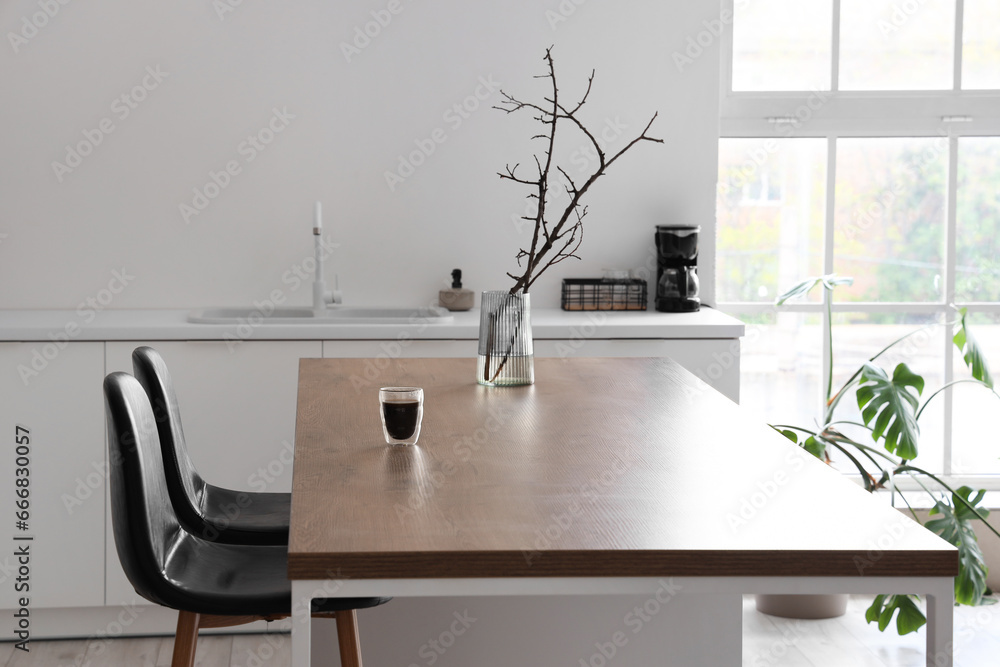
{"x": 555, "y": 238}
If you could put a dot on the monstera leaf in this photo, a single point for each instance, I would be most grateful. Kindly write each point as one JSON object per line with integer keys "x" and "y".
{"x": 910, "y": 617}
{"x": 971, "y": 352}
{"x": 891, "y": 405}
{"x": 815, "y": 447}
{"x": 953, "y": 523}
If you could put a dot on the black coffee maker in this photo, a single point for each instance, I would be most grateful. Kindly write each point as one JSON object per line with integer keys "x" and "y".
{"x": 677, "y": 268}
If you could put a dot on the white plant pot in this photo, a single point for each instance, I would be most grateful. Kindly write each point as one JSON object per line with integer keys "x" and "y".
{"x": 803, "y": 606}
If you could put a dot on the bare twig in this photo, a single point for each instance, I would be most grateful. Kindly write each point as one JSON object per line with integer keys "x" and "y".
{"x": 557, "y": 237}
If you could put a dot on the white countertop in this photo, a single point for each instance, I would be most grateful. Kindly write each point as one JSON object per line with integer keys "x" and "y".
{"x": 61, "y": 325}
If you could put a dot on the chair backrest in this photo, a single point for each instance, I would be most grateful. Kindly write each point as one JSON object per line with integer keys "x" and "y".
{"x": 145, "y": 526}
{"x": 184, "y": 484}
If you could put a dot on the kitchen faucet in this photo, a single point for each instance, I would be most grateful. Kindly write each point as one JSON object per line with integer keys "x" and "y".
{"x": 321, "y": 296}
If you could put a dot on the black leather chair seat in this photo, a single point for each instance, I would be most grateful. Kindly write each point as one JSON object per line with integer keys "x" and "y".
{"x": 226, "y": 580}
{"x": 245, "y": 517}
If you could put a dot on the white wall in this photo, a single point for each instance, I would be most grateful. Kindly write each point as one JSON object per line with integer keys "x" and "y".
{"x": 119, "y": 208}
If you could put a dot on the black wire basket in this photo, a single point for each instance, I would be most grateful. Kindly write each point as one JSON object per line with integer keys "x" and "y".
{"x": 603, "y": 294}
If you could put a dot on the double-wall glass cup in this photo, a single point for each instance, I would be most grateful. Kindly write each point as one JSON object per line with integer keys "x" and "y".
{"x": 401, "y": 409}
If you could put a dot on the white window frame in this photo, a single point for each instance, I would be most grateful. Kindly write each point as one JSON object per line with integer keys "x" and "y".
{"x": 832, "y": 114}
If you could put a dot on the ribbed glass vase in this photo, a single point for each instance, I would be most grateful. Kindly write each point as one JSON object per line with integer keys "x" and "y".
{"x": 506, "y": 353}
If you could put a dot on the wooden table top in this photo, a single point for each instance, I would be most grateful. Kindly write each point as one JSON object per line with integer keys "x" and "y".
{"x": 603, "y": 467}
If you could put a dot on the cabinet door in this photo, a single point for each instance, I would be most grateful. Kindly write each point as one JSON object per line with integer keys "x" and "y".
{"x": 715, "y": 360}
{"x": 55, "y": 394}
{"x": 407, "y": 348}
{"x": 238, "y": 411}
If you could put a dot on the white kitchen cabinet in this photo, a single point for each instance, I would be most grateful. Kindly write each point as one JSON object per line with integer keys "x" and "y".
{"x": 238, "y": 410}
{"x": 237, "y": 398}
{"x": 55, "y": 393}
{"x": 716, "y": 361}
{"x": 405, "y": 348}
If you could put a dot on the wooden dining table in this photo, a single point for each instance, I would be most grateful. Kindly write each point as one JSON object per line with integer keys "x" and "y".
{"x": 606, "y": 476}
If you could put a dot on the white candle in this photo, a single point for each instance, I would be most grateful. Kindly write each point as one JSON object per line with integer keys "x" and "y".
{"x": 319, "y": 216}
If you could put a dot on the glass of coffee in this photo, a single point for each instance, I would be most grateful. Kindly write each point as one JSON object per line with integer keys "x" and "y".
{"x": 401, "y": 408}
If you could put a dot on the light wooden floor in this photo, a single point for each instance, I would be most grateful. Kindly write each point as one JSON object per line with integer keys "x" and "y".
{"x": 767, "y": 642}
{"x": 780, "y": 642}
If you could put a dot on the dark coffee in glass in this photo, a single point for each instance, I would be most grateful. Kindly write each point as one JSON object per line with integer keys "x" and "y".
{"x": 401, "y": 410}
{"x": 400, "y": 418}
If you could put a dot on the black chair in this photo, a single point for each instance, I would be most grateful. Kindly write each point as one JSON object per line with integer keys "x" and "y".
{"x": 211, "y": 512}
{"x": 211, "y": 584}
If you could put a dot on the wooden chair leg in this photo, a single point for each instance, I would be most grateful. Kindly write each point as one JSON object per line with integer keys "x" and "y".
{"x": 186, "y": 640}
{"x": 347, "y": 636}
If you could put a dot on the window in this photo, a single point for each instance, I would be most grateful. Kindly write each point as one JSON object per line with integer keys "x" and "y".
{"x": 862, "y": 137}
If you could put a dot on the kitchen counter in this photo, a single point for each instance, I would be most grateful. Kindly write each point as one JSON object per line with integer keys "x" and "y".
{"x": 237, "y": 383}
{"x": 108, "y": 325}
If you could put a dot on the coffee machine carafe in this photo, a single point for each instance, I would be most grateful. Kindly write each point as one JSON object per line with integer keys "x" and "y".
{"x": 677, "y": 268}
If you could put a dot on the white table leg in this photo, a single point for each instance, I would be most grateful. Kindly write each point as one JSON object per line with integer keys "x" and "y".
{"x": 301, "y": 623}
{"x": 940, "y": 625}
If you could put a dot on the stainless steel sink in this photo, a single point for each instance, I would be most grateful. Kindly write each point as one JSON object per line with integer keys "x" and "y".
{"x": 332, "y": 315}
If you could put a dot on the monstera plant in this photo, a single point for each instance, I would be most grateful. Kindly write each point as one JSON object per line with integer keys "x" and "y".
{"x": 891, "y": 403}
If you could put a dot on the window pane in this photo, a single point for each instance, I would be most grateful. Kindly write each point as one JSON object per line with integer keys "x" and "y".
{"x": 896, "y": 45}
{"x": 769, "y": 209}
{"x": 974, "y": 439}
{"x": 782, "y": 44}
{"x": 980, "y": 45}
{"x": 977, "y": 242}
{"x": 859, "y": 336}
{"x": 889, "y": 220}
{"x": 780, "y": 363}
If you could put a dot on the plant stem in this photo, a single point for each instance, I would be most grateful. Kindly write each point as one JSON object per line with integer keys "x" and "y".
{"x": 828, "y": 297}
{"x": 846, "y": 421}
{"x": 907, "y": 468}
{"x": 861, "y": 469}
{"x": 832, "y": 404}
{"x": 943, "y": 387}
{"x": 797, "y": 428}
